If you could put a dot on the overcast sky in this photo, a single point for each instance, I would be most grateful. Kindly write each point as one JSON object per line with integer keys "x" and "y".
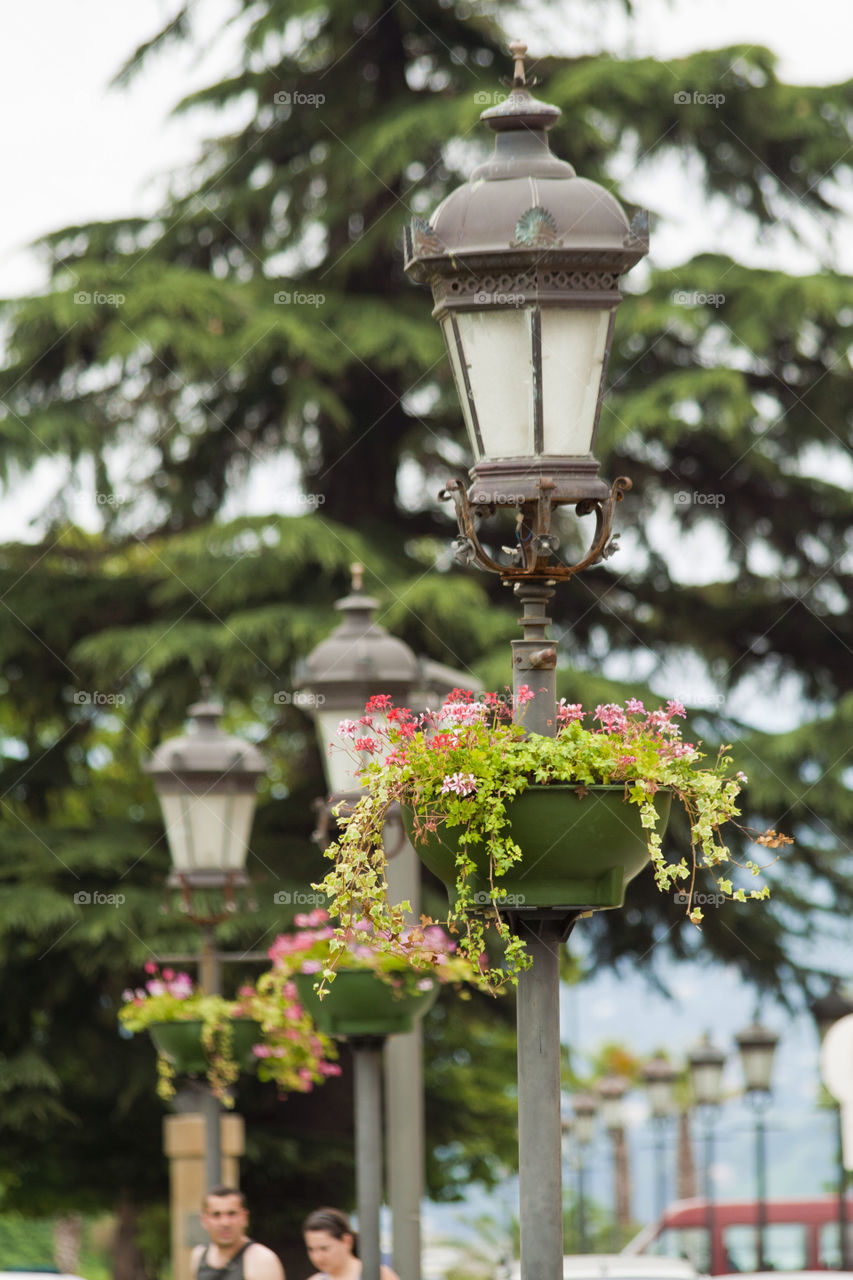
{"x": 75, "y": 150}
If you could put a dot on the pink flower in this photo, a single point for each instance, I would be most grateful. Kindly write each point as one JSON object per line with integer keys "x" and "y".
{"x": 463, "y": 784}
{"x": 365, "y": 744}
{"x": 347, "y": 729}
{"x": 612, "y": 717}
{"x": 261, "y": 1050}
{"x": 150, "y": 966}
{"x": 634, "y": 707}
{"x": 569, "y": 712}
{"x": 675, "y": 709}
{"x": 525, "y": 694}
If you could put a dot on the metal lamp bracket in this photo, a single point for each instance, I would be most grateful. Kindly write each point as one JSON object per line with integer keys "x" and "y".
{"x": 533, "y": 556}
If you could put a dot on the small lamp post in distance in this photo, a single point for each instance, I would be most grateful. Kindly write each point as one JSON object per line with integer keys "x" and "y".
{"x": 757, "y": 1046}
{"x": 705, "y": 1063}
{"x": 659, "y": 1076}
{"x": 585, "y": 1108}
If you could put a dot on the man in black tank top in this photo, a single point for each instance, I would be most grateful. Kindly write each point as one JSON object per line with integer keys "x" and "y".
{"x": 231, "y": 1255}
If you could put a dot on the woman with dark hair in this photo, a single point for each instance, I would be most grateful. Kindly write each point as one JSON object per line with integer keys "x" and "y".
{"x": 333, "y": 1248}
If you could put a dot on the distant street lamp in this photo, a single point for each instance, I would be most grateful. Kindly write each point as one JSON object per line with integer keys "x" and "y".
{"x": 659, "y": 1075}
{"x": 611, "y": 1090}
{"x": 585, "y": 1107}
{"x": 206, "y": 781}
{"x": 757, "y": 1047}
{"x": 706, "y": 1063}
{"x": 826, "y": 1011}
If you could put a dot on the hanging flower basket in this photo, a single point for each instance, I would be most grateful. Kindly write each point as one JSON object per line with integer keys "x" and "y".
{"x": 502, "y": 815}
{"x": 206, "y": 1035}
{"x": 183, "y": 1045}
{"x": 581, "y": 846}
{"x": 360, "y": 1003}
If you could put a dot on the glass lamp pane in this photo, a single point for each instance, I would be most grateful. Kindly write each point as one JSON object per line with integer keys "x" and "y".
{"x": 706, "y": 1078}
{"x": 757, "y": 1060}
{"x": 498, "y": 355}
{"x": 340, "y": 759}
{"x": 209, "y": 832}
{"x": 573, "y": 347}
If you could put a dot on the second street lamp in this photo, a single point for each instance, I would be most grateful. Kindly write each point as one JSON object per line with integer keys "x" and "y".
{"x": 757, "y": 1046}
{"x": 706, "y": 1063}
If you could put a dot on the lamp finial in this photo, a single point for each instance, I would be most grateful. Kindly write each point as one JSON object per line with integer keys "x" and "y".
{"x": 518, "y": 49}
{"x": 357, "y": 571}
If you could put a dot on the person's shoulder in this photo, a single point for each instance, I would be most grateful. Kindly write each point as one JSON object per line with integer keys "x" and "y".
{"x": 261, "y": 1263}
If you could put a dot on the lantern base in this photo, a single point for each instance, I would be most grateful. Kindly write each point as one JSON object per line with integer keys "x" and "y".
{"x": 510, "y": 482}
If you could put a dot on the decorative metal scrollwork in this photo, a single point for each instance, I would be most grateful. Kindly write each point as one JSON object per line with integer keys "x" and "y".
{"x": 533, "y": 556}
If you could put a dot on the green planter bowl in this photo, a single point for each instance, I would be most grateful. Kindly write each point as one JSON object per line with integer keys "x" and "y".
{"x": 181, "y": 1043}
{"x": 579, "y": 851}
{"x": 358, "y": 1003}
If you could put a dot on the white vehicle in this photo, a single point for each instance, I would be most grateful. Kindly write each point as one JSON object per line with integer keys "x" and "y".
{"x": 616, "y": 1266}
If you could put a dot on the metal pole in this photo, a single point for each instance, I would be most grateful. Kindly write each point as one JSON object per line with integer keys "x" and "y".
{"x": 761, "y": 1184}
{"x": 539, "y": 1171}
{"x": 367, "y": 1061}
{"x": 540, "y": 1178}
{"x": 534, "y": 660}
{"x": 709, "y": 1199}
{"x": 660, "y": 1160}
{"x": 404, "y": 1099}
{"x": 844, "y": 1251}
{"x": 211, "y": 982}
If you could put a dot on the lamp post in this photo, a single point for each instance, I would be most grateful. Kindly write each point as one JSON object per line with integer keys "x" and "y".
{"x": 826, "y": 1011}
{"x": 659, "y": 1076}
{"x": 585, "y": 1107}
{"x": 524, "y": 262}
{"x": 359, "y": 659}
{"x": 705, "y": 1064}
{"x": 757, "y": 1046}
{"x": 205, "y": 782}
{"x": 611, "y": 1090}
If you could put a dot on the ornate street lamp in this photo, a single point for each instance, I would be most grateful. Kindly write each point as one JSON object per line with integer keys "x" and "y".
{"x": 659, "y": 1076}
{"x": 585, "y": 1108}
{"x": 524, "y": 262}
{"x": 705, "y": 1064}
{"x": 205, "y": 781}
{"x": 826, "y": 1011}
{"x": 757, "y": 1046}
